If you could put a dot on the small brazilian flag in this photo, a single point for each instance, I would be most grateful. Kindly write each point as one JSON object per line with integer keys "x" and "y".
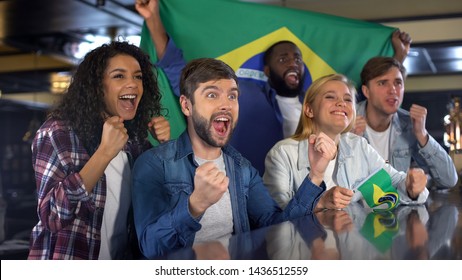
{"x": 378, "y": 191}
{"x": 379, "y": 229}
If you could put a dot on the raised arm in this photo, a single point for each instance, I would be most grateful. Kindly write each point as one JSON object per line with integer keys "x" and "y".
{"x": 149, "y": 10}
{"x": 401, "y": 42}
{"x": 169, "y": 57}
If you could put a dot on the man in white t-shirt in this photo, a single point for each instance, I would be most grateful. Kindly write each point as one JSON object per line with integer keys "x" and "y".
{"x": 398, "y": 135}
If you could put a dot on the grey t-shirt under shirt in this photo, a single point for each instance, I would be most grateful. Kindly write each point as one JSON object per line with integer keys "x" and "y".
{"x": 217, "y": 221}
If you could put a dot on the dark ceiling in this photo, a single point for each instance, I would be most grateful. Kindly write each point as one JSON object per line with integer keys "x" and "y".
{"x": 38, "y": 39}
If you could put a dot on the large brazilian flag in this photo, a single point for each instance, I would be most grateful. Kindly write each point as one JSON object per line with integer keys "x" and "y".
{"x": 169, "y": 100}
{"x": 239, "y": 32}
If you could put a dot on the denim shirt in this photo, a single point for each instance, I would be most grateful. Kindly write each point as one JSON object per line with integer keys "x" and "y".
{"x": 287, "y": 163}
{"x": 404, "y": 148}
{"x": 163, "y": 180}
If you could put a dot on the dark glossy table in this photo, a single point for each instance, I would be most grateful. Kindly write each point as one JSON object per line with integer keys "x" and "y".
{"x": 430, "y": 231}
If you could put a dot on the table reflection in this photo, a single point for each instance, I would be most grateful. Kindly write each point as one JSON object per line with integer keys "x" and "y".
{"x": 355, "y": 233}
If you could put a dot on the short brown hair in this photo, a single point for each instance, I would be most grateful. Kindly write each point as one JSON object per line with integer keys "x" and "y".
{"x": 378, "y": 66}
{"x": 202, "y": 70}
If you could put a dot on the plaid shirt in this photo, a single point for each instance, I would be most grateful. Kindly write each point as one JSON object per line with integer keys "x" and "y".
{"x": 70, "y": 219}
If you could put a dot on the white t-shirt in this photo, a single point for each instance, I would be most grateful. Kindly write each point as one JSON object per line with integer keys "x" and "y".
{"x": 380, "y": 141}
{"x": 290, "y": 109}
{"x": 114, "y": 234}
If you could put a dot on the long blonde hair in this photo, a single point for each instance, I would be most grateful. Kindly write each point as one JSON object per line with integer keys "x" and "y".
{"x": 306, "y": 126}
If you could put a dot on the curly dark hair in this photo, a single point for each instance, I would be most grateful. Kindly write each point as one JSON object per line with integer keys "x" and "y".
{"x": 83, "y": 104}
{"x": 378, "y": 66}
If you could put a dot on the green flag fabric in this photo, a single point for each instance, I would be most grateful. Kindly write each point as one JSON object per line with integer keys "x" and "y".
{"x": 378, "y": 191}
{"x": 239, "y": 32}
{"x": 380, "y": 228}
{"x": 169, "y": 100}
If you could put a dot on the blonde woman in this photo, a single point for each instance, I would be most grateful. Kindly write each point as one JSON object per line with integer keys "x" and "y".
{"x": 323, "y": 149}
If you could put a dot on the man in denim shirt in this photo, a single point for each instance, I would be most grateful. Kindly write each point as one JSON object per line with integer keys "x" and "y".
{"x": 197, "y": 188}
{"x": 398, "y": 135}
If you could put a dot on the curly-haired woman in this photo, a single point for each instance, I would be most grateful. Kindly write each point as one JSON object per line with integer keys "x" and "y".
{"x": 82, "y": 155}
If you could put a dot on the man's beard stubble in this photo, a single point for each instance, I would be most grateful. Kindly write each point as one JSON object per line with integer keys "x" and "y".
{"x": 203, "y": 127}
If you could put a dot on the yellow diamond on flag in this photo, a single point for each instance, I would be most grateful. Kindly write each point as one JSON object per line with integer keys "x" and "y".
{"x": 237, "y": 57}
{"x": 378, "y": 192}
{"x": 378, "y": 227}
{"x": 381, "y": 197}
